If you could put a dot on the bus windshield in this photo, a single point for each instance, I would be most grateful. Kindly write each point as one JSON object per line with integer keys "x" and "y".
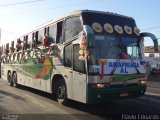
{"x": 112, "y": 47}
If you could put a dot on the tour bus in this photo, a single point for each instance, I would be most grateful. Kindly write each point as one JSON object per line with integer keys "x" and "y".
{"x": 87, "y": 56}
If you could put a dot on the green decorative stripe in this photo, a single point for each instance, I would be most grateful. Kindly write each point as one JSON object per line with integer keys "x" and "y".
{"x": 128, "y": 77}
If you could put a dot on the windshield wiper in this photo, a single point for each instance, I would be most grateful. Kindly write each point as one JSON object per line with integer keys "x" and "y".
{"x": 114, "y": 69}
{"x": 132, "y": 60}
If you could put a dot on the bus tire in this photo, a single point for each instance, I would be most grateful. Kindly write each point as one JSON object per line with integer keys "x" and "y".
{"x": 61, "y": 92}
{"x": 9, "y": 78}
{"x": 14, "y": 79}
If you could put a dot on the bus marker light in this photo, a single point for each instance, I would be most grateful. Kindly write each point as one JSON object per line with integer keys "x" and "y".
{"x": 137, "y": 31}
{"x": 108, "y": 27}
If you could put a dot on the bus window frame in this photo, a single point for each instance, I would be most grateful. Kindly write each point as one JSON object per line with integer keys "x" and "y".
{"x": 64, "y": 28}
{"x": 52, "y": 34}
{"x": 64, "y": 55}
{"x": 73, "y": 59}
{"x": 60, "y": 32}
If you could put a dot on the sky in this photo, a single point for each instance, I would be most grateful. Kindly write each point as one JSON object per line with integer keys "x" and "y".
{"x": 18, "y": 17}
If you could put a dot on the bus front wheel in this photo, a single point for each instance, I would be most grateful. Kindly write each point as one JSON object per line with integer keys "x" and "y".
{"x": 61, "y": 93}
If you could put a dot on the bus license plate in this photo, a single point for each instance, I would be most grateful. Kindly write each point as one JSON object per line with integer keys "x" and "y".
{"x": 123, "y": 94}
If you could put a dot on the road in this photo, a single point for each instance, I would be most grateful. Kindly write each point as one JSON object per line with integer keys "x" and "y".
{"x": 24, "y": 103}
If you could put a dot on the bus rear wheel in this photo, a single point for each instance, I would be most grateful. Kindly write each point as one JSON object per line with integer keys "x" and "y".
{"x": 9, "y": 79}
{"x": 61, "y": 93}
{"x": 14, "y": 79}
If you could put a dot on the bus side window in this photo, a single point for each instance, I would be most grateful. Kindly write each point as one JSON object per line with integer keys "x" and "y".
{"x": 41, "y": 36}
{"x": 12, "y": 44}
{"x": 36, "y": 35}
{"x": 2, "y": 49}
{"x": 52, "y": 32}
{"x": 78, "y": 65}
{"x": 7, "y": 48}
{"x": 30, "y": 40}
{"x": 16, "y": 57}
{"x": 26, "y": 45}
{"x": 59, "y": 33}
{"x": 72, "y": 28}
{"x": 68, "y": 55}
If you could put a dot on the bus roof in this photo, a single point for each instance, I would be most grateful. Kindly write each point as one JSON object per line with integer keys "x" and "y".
{"x": 74, "y": 13}
{"x": 94, "y": 11}
{"x": 78, "y": 12}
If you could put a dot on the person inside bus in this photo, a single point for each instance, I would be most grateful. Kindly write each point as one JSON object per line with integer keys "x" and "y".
{"x": 59, "y": 33}
{"x": 59, "y": 37}
{"x": 124, "y": 53}
{"x": 46, "y": 40}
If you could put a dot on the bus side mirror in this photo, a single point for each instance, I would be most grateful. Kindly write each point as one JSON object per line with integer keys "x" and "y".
{"x": 89, "y": 36}
{"x": 153, "y": 37}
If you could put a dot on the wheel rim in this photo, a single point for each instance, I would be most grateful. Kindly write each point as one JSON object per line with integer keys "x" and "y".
{"x": 14, "y": 80}
{"x": 9, "y": 78}
{"x": 61, "y": 92}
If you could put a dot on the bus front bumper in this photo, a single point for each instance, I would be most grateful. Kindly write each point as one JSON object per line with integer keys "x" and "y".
{"x": 111, "y": 94}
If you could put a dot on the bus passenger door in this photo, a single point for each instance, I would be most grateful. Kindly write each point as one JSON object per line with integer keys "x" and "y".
{"x": 67, "y": 71}
{"x": 79, "y": 76}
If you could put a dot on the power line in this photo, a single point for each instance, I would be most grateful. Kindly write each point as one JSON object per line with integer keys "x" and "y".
{"x": 46, "y": 9}
{"x": 151, "y": 28}
{"x": 18, "y": 3}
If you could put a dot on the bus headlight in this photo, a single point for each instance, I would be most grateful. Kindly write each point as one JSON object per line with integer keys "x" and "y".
{"x": 100, "y": 85}
{"x": 142, "y": 82}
